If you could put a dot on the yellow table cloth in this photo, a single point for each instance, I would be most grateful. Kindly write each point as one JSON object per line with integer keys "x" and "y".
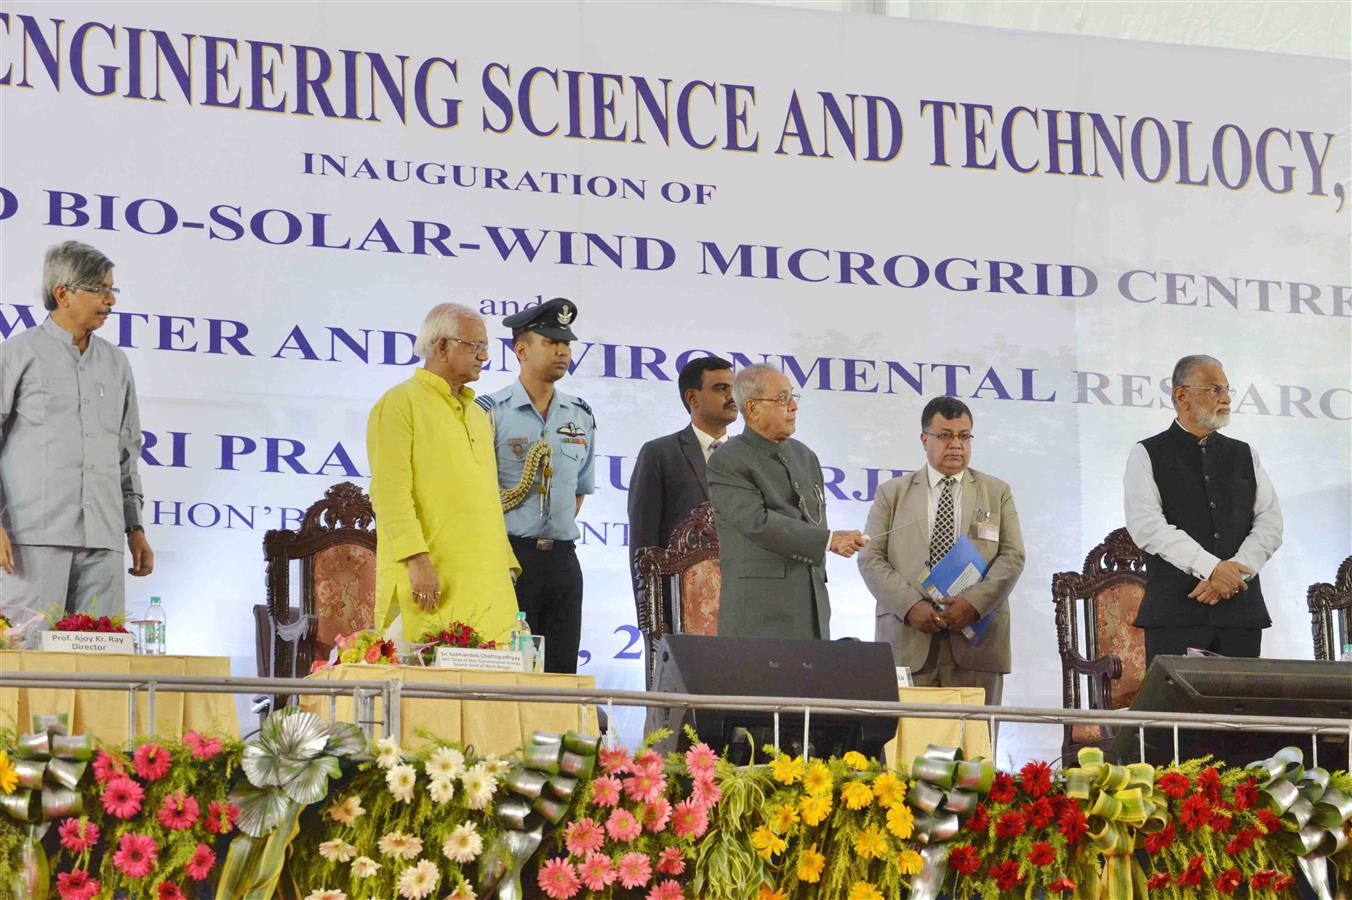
{"x": 915, "y": 734}
{"x": 104, "y": 714}
{"x": 491, "y": 726}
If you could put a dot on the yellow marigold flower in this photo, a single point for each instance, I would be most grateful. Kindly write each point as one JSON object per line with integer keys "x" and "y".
{"x": 862, "y": 890}
{"x": 815, "y": 808}
{"x": 901, "y": 821}
{"x": 767, "y": 893}
{"x": 909, "y": 862}
{"x": 870, "y": 843}
{"x": 855, "y": 760}
{"x": 818, "y": 779}
{"x": 856, "y": 794}
{"x": 782, "y": 818}
{"x": 786, "y": 770}
{"x": 889, "y": 789}
{"x": 767, "y": 843}
{"x": 810, "y": 865}
{"x": 9, "y": 778}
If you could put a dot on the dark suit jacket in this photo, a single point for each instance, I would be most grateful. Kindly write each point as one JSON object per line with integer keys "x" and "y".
{"x": 669, "y": 481}
{"x": 772, "y": 555}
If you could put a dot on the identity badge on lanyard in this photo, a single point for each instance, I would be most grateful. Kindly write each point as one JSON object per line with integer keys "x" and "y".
{"x": 986, "y": 530}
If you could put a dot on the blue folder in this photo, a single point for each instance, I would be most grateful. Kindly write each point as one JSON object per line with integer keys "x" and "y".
{"x": 961, "y": 567}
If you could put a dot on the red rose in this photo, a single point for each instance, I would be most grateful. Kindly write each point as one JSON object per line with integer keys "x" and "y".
{"x": 1039, "y": 813}
{"x": 1158, "y": 840}
{"x": 1157, "y": 881}
{"x": 1010, "y": 824}
{"x": 1209, "y": 781}
{"x": 1194, "y": 811}
{"x": 1002, "y": 789}
{"x": 1036, "y": 778}
{"x": 1192, "y": 875}
{"x": 1062, "y": 885}
{"x": 1175, "y": 784}
{"x": 1262, "y": 879}
{"x": 1006, "y": 874}
{"x": 1246, "y": 795}
{"x": 964, "y": 859}
{"x": 979, "y": 821}
{"x": 1041, "y": 854}
{"x": 1227, "y": 881}
{"x": 1072, "y": 822}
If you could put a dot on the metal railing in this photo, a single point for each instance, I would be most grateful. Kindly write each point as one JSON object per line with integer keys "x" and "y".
{"x": 391, "y": 691}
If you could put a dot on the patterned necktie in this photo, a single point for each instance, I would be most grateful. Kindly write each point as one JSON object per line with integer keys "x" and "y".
{"x": 941, "y": 539}
{"x": 712, "y": 447}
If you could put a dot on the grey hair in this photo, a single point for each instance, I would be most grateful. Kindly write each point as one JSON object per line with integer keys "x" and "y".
{"x": 443, "y": 321}
{"x": 71, "y": 263}
{"x": 749, "y": 383}
{"x": 1183, "y": 368}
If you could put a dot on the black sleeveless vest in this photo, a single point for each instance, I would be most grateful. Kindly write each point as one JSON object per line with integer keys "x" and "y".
{"x": 1207, "y": 489}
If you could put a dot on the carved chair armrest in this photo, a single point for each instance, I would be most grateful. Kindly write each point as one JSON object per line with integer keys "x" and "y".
{"x": 1101, "y": 672}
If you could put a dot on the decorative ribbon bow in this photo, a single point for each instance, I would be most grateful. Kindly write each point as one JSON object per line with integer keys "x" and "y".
{"x": 1303, "y": 798}
{"x": 50, "y": 764}
{"x": 542, "y": 788}
{"x": 947, "y": 790}
{"x": 1119, "y": 802}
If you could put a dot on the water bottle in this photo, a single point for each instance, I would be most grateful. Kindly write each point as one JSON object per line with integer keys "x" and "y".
{"x": 522, "y": 627}
{"x": 1347, "y": 653}
{"x": 152, "y": 636}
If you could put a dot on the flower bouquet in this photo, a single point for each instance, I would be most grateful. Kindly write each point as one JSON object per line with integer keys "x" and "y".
{"x": 366, "y": 647}
{"x": 82, "y": 633}
{"x": 456, "y": 634}
{"x": 83, "y": 622}
{"x": 14, "y": 623}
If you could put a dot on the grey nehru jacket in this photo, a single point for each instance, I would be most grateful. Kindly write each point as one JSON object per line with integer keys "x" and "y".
{"x": 70, "y": 436}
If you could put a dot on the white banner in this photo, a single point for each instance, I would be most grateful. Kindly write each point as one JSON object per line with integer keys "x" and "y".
{"x": 888, "y": 209}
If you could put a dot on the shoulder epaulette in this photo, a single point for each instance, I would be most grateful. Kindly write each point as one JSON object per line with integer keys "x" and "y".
{"x": 485, "y": 402}
{"x": 583, "y": 403}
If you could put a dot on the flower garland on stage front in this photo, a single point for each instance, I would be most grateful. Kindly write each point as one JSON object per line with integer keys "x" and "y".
{"x": 329, "y": 818}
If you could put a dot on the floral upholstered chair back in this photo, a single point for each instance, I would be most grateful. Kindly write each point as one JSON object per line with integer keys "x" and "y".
{"x": 680, "y": 583}
{"x": 1331, "y": 613}
{"x": 326, "y": 569}
{"x": 1102, "y": 652}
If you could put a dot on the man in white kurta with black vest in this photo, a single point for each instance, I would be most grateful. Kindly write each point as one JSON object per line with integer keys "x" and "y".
{"x": 1202, "y": 509}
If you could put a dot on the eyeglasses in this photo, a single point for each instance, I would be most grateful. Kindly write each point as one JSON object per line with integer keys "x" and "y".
{"x": 946, "y": 437}
{"x": 105, "y": 290}
{"x": 784, "y": 400}
{"x": 1215, "y": 390}
{"x": 477, "y": 346}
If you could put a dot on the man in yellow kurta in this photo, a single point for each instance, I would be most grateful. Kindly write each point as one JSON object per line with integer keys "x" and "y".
{"x": 441, "y": 545}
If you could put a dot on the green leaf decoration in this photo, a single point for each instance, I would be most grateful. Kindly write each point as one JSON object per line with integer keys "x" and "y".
{"x": 260, "y": 809}
{"x": 346, "y": 739}
{"x": 307, "y": 781}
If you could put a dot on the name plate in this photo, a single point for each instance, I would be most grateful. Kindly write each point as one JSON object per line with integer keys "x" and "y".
{"x": 479, "y": 659}
{"x": 88, "y": 642}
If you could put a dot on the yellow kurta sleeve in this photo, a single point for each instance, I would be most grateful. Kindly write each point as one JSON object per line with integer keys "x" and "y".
{"x": 389, "y": 447}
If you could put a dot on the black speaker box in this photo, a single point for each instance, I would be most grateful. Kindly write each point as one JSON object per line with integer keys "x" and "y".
{"x": 769, "y": 667}
{"x": 1288, "y": 688}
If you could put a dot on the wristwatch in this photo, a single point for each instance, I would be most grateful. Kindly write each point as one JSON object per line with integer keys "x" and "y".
{"x": 134, "y": 528}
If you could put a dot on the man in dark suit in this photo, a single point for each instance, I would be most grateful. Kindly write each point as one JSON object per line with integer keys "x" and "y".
{"x": 770, "y": 510}
{"x": 669, "y": 477}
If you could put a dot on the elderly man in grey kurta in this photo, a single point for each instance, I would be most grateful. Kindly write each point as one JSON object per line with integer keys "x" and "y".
{"x": 70, "y": 436}
{"x": 770, "y": 511}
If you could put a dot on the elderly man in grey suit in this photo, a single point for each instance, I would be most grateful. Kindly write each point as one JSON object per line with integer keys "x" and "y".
{"x": 770, "y": 511}
{"x": 914, "y": 521}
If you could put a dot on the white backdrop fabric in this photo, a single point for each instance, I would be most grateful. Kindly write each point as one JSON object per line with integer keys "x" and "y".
{"x": 888, "y": 209}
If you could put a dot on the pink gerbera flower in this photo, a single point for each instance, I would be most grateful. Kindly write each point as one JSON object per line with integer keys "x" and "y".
{"x": 221, "y": 816}
{"x": 656, "y": 815}
{"x": 106, "y": 767}
{"x": 136, "y": 855}
{"x": 199, "y": 867}
{"x": 667, "y": 890}
{"x": 705, "y": 792}
{"x": 178, "y": 812}
{"x": 170, "y": 891}
{"x": 606, "y": 791}
{"x": 615, "y": 761}
{"x": 700, "y": 761}
{"x": 78, "y": 835}
{"x": 122, "y": 797}
{"x": 670, "y": 861}
{"x": 634, "y": 870}
{"x": 77, "y": 885}
{"x": 201, "y": 747}
{"x": 584, "y": 836}
{"x": 644, "y": 788}
{"x": 151, "y": 762}
{"x": 558, "y": 879}
{"x": 622, "y": 826}
{"x": 596, "y": 871}
{"x": 648, "y": 762}
{"x": 690, "y": 818}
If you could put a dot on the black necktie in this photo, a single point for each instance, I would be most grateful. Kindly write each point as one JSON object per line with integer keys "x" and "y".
{"x": 941, "y": 539}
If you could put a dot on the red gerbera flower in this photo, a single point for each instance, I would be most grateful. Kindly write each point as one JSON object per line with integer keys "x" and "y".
{"x": 1282, "y": 883}
{"x": 1194, "y": 811}
{"x": 1220, "y": 822}
{"x": 1072, "y": 822}
{"x": 151, "y": 762}
{"x": 964, "y": 859}
{"x": 1262, "y": 879}
{"x": 1246, "y": 795}
{"x": 1157, "y": 881}
{"x": 1036, "y": 778}
{"x": 1006, "y": 874}
{"x": 1062, "y": 885}
{"x": 1002, "y": 788}
{"x": 1039, "y": 813}
{"x": 221, "y": 816}
{"x": 199, "y": 867}
{"x": 106, "y": 767}
{"x": 122, "y": 797}
{"x": 1010, "y": 824}
{"x": 1209, "y": 782}
{"x": 1192, "y": 875}
{"x": 169, "y": 891}
{"x": 1242, "y": 841}
{"x": 1270, "y": 821}
{"x": 979, "y": 821}
{"x": 78, "y": 835}
{"x": 178, "y": 812}
{"x": 1174, "y": 784}
{"x": 136, "y": 855}
{"x": 1041, "y": 854}
{"x": 77, "y": 884}
{"x": 1158, "y": 840}
{"x": 1227, "y": 881}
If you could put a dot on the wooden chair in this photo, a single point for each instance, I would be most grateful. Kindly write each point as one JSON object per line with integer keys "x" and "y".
{"x": 334, "y": 551}
{"x": 680, "y": 584}
{"x": 1099, "y": 646}
{"x": 1331, "y": 613}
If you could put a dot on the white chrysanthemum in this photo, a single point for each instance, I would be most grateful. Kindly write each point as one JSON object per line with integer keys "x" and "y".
{"x": 364, "y": 867}
{"x": 464, "y": 892}
{"x": 419, "y": 881}
{"x": 401, "y": 780}
{"x": 464, "y": 844}
{"x": 400, "y": 845}
{"x": 496, "y": 766}
{"x": 347, "y": 810}
{"x": 441, "y": 790}
{"x": 388, "y": 753}
{"x": 445, "y": 762}
{"x": 326, "y": 894}
{"x": 479, "y": 786}
{"x": 337, "y": 850}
